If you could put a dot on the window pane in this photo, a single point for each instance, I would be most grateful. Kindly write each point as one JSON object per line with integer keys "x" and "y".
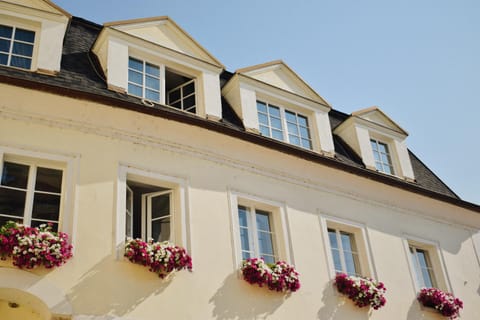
{"x": 350, "y": 263}
{"x": 152, "y": 95}
{"x": 268, "y": 259}
{"x": 277, "y": 134}
{"x": 4, "y": 220}
{"x": 3, "y": 59}
{"x": 135, "y": 77}
{"x": 290, "y": 116}
{"x": 332, "y": 236}
{"x": 387, "y": 169}
{"x": 262, "y": 119}
{"x": 265, "y": 243}
{"x": 347, "y": 241}
{"x": 37, "y": 223}
{"x": 302, "y": 121}
{"x": 274, "y": 111}
{"x": 188, "y": 102}
{"x": 379, "y": 166}
{"x": 12, "y": 202}
{"x": 275, "y": 123}
{"x": 427, "y": 279}
{"x": 152, "y": 83}
{"x": 135, "y": 64}
{"x": 46, "y": 206}
{"x": 4, "y": 46}
{"x": 261, "y": 107}
{"x": 49, "y": 180}
{"x": 23, "y": 49}
{"x": 189, "y": 89}
{"x": 244, "y": 239}
{"x": 336, "y": 260}
{"x": 152, "y": 70}
{"x": 161, "y": 230}
{"x": 374, "y": 144}
{"x": 242, "y": 216}
{"x": 382, "y": 148}
{"x": 292, "y": 128}
{"x": 246, "y": 255}
{"x": 19, "y": 62}
{"x": 306, "y": 144}
{"x": 135, "y": 90}
{"x": 15, "y": 175}
{"x": 24, "y": 35}
{"x": 294, "y": 140}
{"x": 160, "y": 206}
{"x": 262, "y": 219}
{"x": 5, "y": 31}
{"x": 376, "y": 156}
{"x": 174, "y": 95}
{"x": 264, "y": 131}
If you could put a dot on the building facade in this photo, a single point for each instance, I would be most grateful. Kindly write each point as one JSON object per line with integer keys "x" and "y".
{"x": 133, "y": 129}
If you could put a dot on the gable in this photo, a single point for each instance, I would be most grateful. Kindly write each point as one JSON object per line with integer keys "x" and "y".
{"x": 375, "y": 115}
{"x": 42, "y": 5}
{"x": 164, "y": 32}
{"x": 278, "y": 74}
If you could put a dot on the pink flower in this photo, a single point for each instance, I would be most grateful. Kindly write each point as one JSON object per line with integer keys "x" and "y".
{"x": 362, "y": 291}
{"x": 445, "y": 303}
{"x": 280, "y": 277}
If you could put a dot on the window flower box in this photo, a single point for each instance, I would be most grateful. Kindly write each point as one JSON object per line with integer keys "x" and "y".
{"x": 362, "y": 291}
{"x": 33, "y": 247}
{"x": 160, "y": 257}
{"x": 445, "y": 303}
{"x": 280, "y": 276}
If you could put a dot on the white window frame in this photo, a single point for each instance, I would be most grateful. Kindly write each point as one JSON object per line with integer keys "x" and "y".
{"x": 440, "y": 275}
{"x": 179, "y": 222}
{"x": 359, "y": 231}
{"x": 278, "y": 219}
{"x": 147, "y": 217}
{"x": 161, "y": 80}
{"x": 68, "y": 163}
{"x": 284, "y": 123}
{"x": 390, "y": 156}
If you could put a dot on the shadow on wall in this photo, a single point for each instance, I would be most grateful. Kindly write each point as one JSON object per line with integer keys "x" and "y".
{"x": 256, "y": 302}
{"x": 101, "y": 290}
{"x": 335, "y": 306}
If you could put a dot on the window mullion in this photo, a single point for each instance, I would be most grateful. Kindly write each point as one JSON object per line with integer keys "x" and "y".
{"x": 253, "y": 220}
{"x": 10, "y": 51}
{"x": 163, "y": 90}
{"x": 283, "y": 120}
{"x": 29, "y": 197}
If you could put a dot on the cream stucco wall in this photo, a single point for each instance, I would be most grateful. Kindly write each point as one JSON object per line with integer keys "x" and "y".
{"x": 215, "y": 167}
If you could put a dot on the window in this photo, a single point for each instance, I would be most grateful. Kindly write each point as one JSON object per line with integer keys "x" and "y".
{"x": 383, "y": 160}
{"x": 344, "y": 252}
{"x": 30, "y": 193}
{"x": 148, "y": 211}
{"x": 16, "y": 47}
{"x": 272, "y": 121}
{"x": 156, "y": 83}
{"x": 256, "y": 234}
{"x": 423, "y": 268}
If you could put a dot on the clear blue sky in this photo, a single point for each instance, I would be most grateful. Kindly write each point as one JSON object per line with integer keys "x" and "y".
{"x": 419, "y": 61}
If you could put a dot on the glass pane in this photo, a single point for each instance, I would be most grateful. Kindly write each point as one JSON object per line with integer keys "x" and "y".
{"x": 332, "y": 236}
{"x": 161, "y": 230}
{"x": 385, "y": 159}
{"x": 262, "y": 119}
{"x": 350, "y": 263}
{"x": 12, "y": 202}
{"x": 302, "y": 121}
{"x": 379, "y": 166}
{"x": 347, "y": 241}
{"x": 152, "y": 83}
{"x": 49, "y": 180}
{"x": 135, "y": 77}
{"x": 274, "y": 111}
{"x": 306, "y": 144}
{"x": 382, "y": 147}
{"x": 427, "y": 279}
{"x": 265, "y": 243}
{"x": 160, "y": 206}
{"x": 5, "y": 46}
{"x": 4, "y": 220}
{"x": 177, "y": 105}
{"x": 304, "y": 133}
{"x": 262, "y": 219}
{"x": 189, "y": 89}
{"x": 244, "y": 239}
{"x": 24, "y": 35}
{"x": 152, "y": 95}
{"x": 387, "y": 169}
{"x": 152, "y": 70}
{"x": 15, "y": 175}
{"x": 19, "y": 62}
{"x": 376, "y": 156}
{"x": 135, "y": 64}
{"x": 23, "y": 49}
{"x": 268, "y": 259}
{"x": 261, "y": 107}
{"x": 242, "y": 216}
{"x": 374, "y": 144}
{"x": 188, "y": 102}
{"x": 36, "y": 223}
{"x": 5, "y": 31}
{"x": 135, "y": 90}
{"x": 277, "y": 134}
{"x": 174, "y": 95}
{"x": 294, "y": 140}
{"x": 291, "y": 117}
{"x": 246, "y": 255}
{"x": 336, "y": 260}
{"x": 264, "y": 131}
{"x": 292, "y": 128}
{"x": 3, "y": 59}
{"x": 276, "y": 123}
{"x": 46, "y": 206}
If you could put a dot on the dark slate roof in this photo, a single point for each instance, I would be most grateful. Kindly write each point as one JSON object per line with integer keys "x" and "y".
{"x": 81, "y": 77}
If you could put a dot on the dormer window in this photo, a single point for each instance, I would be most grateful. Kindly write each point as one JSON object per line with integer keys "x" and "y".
{"x": 272, "y": 121}
{"x": 143, "y": 80}
{"x": 16, "y": 47}
{"x": 381, "y": 154}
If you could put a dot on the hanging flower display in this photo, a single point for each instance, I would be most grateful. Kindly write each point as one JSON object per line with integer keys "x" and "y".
{"x": 280, "y": 276}
{"x": 445, "y": 303}
{"x": 363, "y": 291}
{"x": 32, "y": 247}
{"x": 160, "y": 257}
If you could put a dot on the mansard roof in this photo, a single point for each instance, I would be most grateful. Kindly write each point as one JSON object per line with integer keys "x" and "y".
{"x": 81, "y": 78}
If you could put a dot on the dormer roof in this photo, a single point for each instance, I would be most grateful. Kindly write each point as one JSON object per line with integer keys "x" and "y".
{"x": 41, "y": 5}
{"x": 375, "y": 115}
{"x": 165, "y": 32}
{"x": 278, "y": 74}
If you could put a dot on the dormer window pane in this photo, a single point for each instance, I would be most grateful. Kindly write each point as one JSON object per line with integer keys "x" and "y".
{"x": 24, "y": 35}
{"x": 383, "y": 160}
{"x": 143, "y": 79}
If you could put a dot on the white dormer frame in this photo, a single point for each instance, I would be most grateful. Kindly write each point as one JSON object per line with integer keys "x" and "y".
{"x": 243, "y": 91}
{"x": 49, "y": 22}
{"x": 357, "y": 131}
{"x": 114, "y": 46}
